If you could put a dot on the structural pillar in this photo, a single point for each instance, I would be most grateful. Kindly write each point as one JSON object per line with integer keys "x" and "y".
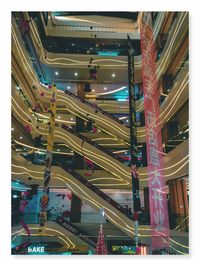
{"x": 146, "y": 205}
{"x": 178, "y": 204}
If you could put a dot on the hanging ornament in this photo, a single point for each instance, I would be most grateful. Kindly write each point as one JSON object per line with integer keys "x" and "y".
{"x": 27, "y": 128}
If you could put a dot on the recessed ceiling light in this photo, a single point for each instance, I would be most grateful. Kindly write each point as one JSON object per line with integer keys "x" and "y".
{"x": 21, "y": 137}
{"x": 113, "y": 75}
{"x": 68, "y": 87}
{"x": 59, "y": 117}
{"x": 127, "y": 120}
{"x": 58, "y": 149}
{"x": 12, "y": 128}
{"x": 105, "y": 89}
{"x": 75, "y": 74}
{"x": 71, "y": 118}
{"x": 73, "y": 44}
{"x": 93, "y": 90}
{"x": 56, "y": 73}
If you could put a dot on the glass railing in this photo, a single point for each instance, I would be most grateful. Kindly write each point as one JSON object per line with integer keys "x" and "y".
{"x": 96, "y": 108}
{"x": 115, "y": 156}
{"x": 175, "y": 141}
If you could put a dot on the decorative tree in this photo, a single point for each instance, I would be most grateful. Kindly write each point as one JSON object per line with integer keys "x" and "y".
{"x": 101, "y": 247}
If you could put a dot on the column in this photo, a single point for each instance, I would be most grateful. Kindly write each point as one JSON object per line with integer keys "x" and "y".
{"x": 146, "y": 205}
{"x": 178, "y": 204}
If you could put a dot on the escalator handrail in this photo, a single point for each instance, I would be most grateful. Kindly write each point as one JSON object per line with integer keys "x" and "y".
{"x": 98, "y": 109}
{"x": 115, "y": 156}
{"x": 94, "y": 189}
{"x": 62, "y": 222}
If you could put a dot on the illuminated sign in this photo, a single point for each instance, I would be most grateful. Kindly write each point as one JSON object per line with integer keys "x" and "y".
{"x": 127, "y": 250}
{"x": 36, "y": 249}
{"x": 156, "y": 182}
{"x": 108, "y": 53}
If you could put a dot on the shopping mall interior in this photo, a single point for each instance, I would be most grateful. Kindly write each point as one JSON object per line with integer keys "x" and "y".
{"x": 73, "y": 139}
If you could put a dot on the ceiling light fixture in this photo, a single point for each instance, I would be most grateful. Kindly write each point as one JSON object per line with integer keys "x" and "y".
{"x": 12, "y": 128}
{"x": 21, "y": 137}
{"x": 68, "y": 87}
{"x": 105, "y": 89}
{"x": 56, "y": 73}
{"x": 75, "y": 74}
{"x": 113, "y": 75}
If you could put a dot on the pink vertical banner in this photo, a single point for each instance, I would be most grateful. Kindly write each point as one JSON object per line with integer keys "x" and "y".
{"x": 156, "y": 183}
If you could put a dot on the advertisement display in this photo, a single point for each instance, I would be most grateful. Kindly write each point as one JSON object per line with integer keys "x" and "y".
{"x": 157, "y": 194}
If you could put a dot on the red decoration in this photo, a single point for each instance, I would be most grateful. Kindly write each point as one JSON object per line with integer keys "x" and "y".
{"x": 94, "y": 129}
{"x": 42, "y": 94}
{"x": 101, "y": 248}
{"x": 27, "y": 128}
{"x": 69, "y": 196}
{"x": 49, "y": 86}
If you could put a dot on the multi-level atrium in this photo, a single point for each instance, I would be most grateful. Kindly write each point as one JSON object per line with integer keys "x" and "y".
{"x": 72, "y": 154}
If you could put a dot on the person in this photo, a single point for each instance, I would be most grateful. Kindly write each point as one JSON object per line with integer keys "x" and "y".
{"x": 129, "y": 213}
{"x": 38, "y": 141}
{"x": 89, "y": 125}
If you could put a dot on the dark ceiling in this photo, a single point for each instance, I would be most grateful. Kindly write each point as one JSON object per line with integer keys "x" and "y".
{"x": 91, "y": 46}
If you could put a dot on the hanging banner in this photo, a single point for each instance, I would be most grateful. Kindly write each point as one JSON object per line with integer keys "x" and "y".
{"x": 133, "y": 129}
{"x": 156, "y": 183}
{"x": 47, "y": 172}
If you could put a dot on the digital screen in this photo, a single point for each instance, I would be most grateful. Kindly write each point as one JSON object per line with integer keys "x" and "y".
{"x": 127, "y": 250}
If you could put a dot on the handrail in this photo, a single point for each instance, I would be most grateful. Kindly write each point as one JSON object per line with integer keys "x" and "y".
{"x": 98, "y": 109}
{"x": 95, "y": 189}
{"x": 73, "y": 229}
{"x": 84, "y": 138}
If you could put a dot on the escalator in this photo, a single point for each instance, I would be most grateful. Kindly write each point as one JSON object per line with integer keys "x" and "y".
{"x": 23, "y": 69}
{"x": 63, "y": 177}
{"x": 79, "y": 144}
